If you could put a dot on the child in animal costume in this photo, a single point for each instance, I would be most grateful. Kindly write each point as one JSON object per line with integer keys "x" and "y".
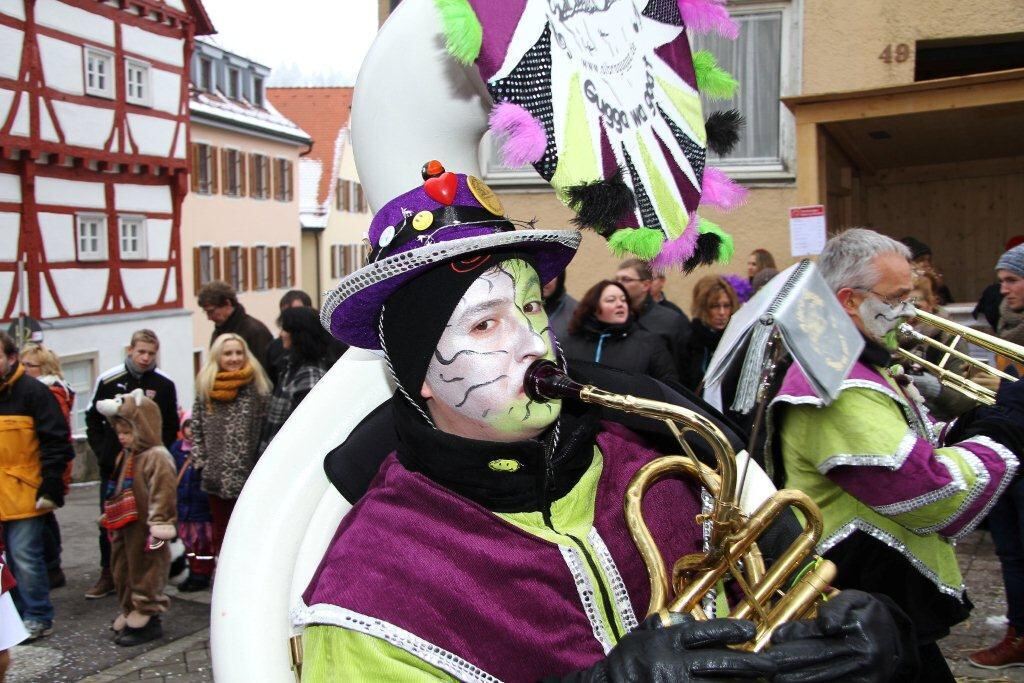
{"x": 146, "y": 476}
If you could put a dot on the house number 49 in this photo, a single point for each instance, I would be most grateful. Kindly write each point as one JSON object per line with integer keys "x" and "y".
{"x": 895, "y": 53}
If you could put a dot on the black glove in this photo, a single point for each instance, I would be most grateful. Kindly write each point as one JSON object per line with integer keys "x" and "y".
{"x": 688, "y": 650}
{"x": 854, "y": 639}
{"x": 53, "y": 489}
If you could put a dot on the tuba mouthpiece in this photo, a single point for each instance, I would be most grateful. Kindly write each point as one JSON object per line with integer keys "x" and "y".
{"x": 545, "y": 381}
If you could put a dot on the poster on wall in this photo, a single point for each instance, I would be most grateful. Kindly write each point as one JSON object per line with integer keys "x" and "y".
{"x": 806, "y": 230}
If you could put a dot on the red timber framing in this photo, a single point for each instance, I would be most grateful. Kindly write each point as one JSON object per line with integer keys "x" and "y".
{"x": 118, "y": 162}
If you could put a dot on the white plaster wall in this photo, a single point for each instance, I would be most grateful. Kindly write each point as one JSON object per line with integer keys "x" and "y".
{"x": 58, "y": 232}
{"x": 152, "y": 135}
{"x": 6, "y": 281}
{"x": 47, "y": 131}
{"x": 161, "y": 48}
{"x": 9, "y": 224}
{"x": 13, "y": 8}
{"x": 81, "y": 290}
{"x": 46, "y": 300}
{"x": 179, "y": 146}
{"x": 20, "y": 125}
{"x": 82, "y": 125}
{"x": 158, "y": 239}
{"x": 6, "y": 97}
{"x": 176, "y": 4}
{"x": 109, "y": 340}
{"x": 10, "y": 51}
{"x": 153, "y": 198}
{"x": 172, "y": 292}
{"x": 10, "y": 187}
{"x": 76, "y": 193}
{"x": 77, "y": 22}
{"x": 166, "y": 90}
{"x": 142, "y": 285}
{"x": 62, "y": 64}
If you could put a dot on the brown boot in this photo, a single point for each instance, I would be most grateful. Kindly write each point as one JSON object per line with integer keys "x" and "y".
{"x": 1008, "y": 652}
{"x": 104, "y": 586}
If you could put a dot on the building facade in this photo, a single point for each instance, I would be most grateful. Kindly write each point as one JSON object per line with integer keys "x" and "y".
{"x": 335, "y": 215}
{"x": 93, "y": 172}
{"x": 241, "y": 217}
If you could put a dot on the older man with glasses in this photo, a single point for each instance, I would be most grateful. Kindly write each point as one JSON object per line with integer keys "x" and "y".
{"x": 673, "y": 327}
{"x": 895, "y": 488}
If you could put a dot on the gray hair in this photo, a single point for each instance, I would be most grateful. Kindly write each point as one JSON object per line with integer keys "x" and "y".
{"x": 848, "y": 259}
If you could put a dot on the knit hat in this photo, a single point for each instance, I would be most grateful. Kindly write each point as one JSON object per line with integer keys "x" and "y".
{"x": 1013, "y": 261}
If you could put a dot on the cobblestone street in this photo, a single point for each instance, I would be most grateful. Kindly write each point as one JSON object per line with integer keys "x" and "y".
{"x": 80, "y": 649}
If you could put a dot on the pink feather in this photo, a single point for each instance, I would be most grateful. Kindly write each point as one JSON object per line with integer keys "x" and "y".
{"x": 709, "y": 16}
{"x": 524, "y": 137}
{"x": 675, "y": 252}
{"x": 722, "y": 191}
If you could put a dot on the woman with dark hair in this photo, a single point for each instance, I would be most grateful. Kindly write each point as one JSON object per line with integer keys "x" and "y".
{"x": 310, "y": 353}
{"x": 714, "y": 302}
{"x": 603, "y": 330}
{"x": 758, "y": 260}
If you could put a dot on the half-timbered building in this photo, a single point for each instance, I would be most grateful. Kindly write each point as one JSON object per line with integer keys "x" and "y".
{"x": 94, "y": 128}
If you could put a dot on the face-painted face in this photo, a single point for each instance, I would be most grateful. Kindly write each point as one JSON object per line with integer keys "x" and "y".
{"x": 474, "y": 384}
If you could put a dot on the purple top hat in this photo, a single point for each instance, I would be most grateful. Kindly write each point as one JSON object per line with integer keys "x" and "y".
{"x": 449, "y": 216}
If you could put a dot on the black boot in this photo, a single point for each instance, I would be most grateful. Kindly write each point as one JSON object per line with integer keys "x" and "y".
{"x": 153, "y": 630}
{"x": 194, "y": 582}
{"x": 177, "y": 566}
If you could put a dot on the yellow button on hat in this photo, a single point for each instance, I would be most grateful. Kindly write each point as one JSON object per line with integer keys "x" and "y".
{"x": 485, "y": 195}
{"x": 422, "y": 220}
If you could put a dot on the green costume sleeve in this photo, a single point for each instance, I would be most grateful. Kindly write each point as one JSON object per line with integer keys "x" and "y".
{"x": 330, "y": 654}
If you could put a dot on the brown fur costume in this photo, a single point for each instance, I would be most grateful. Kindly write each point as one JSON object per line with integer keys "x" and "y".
{"x": 140, "y": 575}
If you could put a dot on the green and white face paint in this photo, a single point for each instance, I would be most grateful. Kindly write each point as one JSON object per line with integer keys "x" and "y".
{"x": 474, "y": 384}
{"x": 881, "y": 320}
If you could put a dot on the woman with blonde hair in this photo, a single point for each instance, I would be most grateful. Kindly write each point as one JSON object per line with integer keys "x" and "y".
{"x": 43, "y": 364}
{"x": 232, "y": 392}
{"x": 714, "y": 302}
{"x": 758, "y": 260}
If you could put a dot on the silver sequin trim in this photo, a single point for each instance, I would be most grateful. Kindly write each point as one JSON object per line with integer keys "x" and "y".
{"x": 885, "y": 537}
{"x": 1011, "y": 469}
{"x": 618, "y": 586}
{"x": 981, "y": 480}
{"x": 707, "y": 502}
{"x": 951, "y": 489}
{"x": 382, "y": 270}
{"x": 893, "y": 462}
{"x": 586, "y": 590}
{"x": 421, "y": 649}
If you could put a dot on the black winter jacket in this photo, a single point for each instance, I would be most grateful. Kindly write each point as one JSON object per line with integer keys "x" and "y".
{"x": 118, "y": 380}
{"x": 696, "y": 356}
{"x": 672, "y": 327}
{"x": 255, "y": 333}
{"x": 624, "y": 347}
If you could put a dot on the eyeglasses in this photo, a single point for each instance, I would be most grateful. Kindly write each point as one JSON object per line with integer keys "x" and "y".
{"x": 893, "y": 302}
{"x": 625, "y": 279}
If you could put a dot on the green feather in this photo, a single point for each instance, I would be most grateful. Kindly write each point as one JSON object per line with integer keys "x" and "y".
{"x": 462, "y": 31}
{"x": 712, "y": 80}
{"x": 643, "y": 243}
{"x": 726, "y": 248}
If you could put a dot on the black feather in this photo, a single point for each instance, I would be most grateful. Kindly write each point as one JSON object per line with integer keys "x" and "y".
{"x": 723, "y": 130}
{"x": 705, "y": 252}
{"x": 601, "y": 204}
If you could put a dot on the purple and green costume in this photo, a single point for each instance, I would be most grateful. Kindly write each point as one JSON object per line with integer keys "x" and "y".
{"x": 456, "y": 591}
{"x": 875, "y": 462}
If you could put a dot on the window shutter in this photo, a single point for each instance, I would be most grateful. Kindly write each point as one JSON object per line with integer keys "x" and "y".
{"x": 213, "y": 169}
{"x": 254, "y": 254}
{"x": 242, "y": 175}
{"x": 217, "y": 272}
{"x": 275, "y": 271}
{"x": 225, "y": 260}
{"x": 194, "y": 148}
{"x": 275, "y": 178}
{"x": 197, "y": 267}
{"x": 291, "y": 266}
{"x": 225, "y": 174}
{"x": 251, "y": 162}
{"x": 288, "y": 177}
{"x": 243, "y": 259}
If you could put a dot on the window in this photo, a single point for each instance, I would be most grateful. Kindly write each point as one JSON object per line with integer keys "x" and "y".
{"x": 234, "y": 84}
{"x": 80, "y": 373}
{"x": 91, "y": 229}
{"x": 234, "y": 173}
{"x": 204, "y": 168}
{"x": 257, "y": 91}
{"x": 284, "y": 268}
{"x": 347, "y": 258}
{"x": 259, "y": 169}
{"x": 359, "y": 198}
{"x": 205, "y": 74}
{"x": 282, "y": 180}
{"x": 236, "y": 267}
{"x": 132, "y": 230}
{"x": 755, "y": 59}
{"x": 99, "y": 73}
{"x": 342, "y": 197}
{"x": 205, "y": 265}
{"x": 261, "y": 267}
{"x": 136, "y": 76}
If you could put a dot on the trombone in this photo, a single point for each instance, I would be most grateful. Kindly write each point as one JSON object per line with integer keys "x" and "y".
{"x": 733, "y": 536}
{"x": 953, "y": 380}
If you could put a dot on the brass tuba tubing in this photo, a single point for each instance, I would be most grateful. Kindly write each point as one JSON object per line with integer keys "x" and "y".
{"x": 1002, "y": 347}
{"x": 948, "y": 378}
{"x": 908, "y": 332}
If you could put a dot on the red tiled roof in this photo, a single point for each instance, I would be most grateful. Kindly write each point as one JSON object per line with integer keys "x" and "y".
{"x": 323, "y": 113}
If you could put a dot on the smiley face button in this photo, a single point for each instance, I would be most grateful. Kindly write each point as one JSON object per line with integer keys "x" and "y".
{"x": 422, "y": 220}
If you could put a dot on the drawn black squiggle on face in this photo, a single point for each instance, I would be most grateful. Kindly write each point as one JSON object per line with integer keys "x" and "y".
{"x": 449, "y": 381}
{"x": 465, "y": 396}
{"x": 443, "y": 361}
